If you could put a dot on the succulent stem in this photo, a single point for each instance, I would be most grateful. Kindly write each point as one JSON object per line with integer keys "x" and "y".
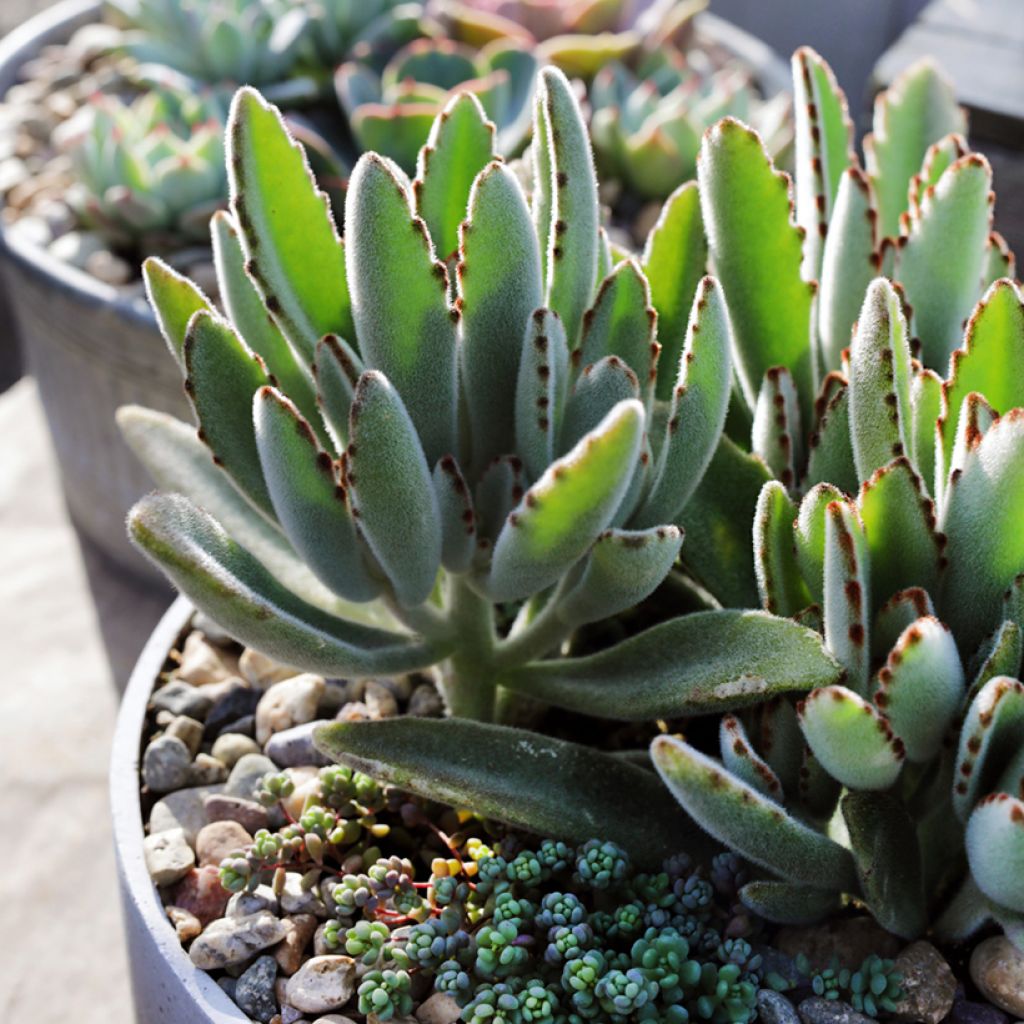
{"x": 467, "y": 677}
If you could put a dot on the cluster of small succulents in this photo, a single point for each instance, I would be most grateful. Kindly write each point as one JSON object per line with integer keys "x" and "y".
{"x": 873, "y": 988}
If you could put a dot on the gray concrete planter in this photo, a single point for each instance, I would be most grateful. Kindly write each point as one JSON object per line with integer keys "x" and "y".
{"x": 166, "y": 987}
{"x": 90, "y": 348}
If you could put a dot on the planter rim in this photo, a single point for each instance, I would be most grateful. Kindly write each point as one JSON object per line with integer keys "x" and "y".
{"x": 126, "y": 811}
{"x": 20, "y": 45}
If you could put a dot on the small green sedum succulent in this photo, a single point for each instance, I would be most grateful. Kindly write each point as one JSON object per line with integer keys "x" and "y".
{"x": 423, "y": 463}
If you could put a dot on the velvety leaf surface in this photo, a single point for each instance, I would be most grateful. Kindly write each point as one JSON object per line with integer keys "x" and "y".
{"x": 847, "y": 591}
{"x": 809, "y": 537}
{"x": 174, "y": 299}
{"x": 995, "y": 849}
{"x": 740, "y": 759}
{"x": 788, "y": 903}
{"x": 337, "y": 370}
{"x": 599, "y": 388}
{"x": 776, "y": 434}
{"x": 540, "y": 390}
{"x": 458, "y": 520}
{"x": 779, "y": 581}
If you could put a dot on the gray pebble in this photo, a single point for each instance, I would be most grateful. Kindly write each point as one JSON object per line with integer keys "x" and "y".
{"x": 246, "y": 775}
{"x": 296, "y": 899}
{"x": 76, "y": 247}
{"x": 182, "y": 699}
{"x": 248, "y": 813}
{"x": 293, "y": 747}
{"x": 168, "y": 856}
{"x": 254, "y": 992}
{"x": 206, "y": 770}
{"x": 233, "y": 940}
{"x": 183, "y": 809}
{"x": 244, "y": 726}
{"x": 240, "y": 700}
{"x": 816, "y": 1010}
{"x": 244, "y": 904}
{"x": 775, "y": 1008}
{"x": 425, "y": 702}
{"x": 188, "y": 730}
{"x": 165, "y": 764}
{"x": 230, "y": 747}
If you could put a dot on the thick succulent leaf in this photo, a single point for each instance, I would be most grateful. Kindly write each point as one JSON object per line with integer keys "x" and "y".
{"x": 599, "y": 388}
{"x": 221, "y": 376}
{"x": 849, "y": 263}
{"x": 980, "y": 518}
{"x": 899, "y": 521}
{"x": 296, "y": 258}
{"x": 1000, "y": 655}
{"x": 990, "y": 361}
{"x": 1000, "y": 261}
{"x": 902, "y": 609}
{"x": 940, "y": 264}
{"x": 757, "y": 254}
{"x": 779, "y": 740}
{"x": 830, "y": 458}
{"x": 562, "y": 514}
{"x": 337, "y": 370}
{"x": 817, "y": 790}
{"x": 674, "y": 260}
{"x": 391, "y": 492}
{"x": 995, "y": 848}
{"x": 884, "y": 840}
{"x": 742, "y": 760}
{"x": 776, "y": 434}
{"x": 787, "y": 902}
{"x": 991, "y": 736}
{"x": 925, "y": 406}
{"x": 233, "y": 588}
{"x": 697, "y": 407}
{"x": 458, "y": 520}
{"x": 623, "y": 568}
{"x": 847, "y": 591}
{"x": 527, "y": 780}
{"x": 824, "y": 149}
{"x": 499, "y": 491}
{"x": 940, "y": 155}
{"x": 250, "y": 318}
{"x": 460, "y": 145}
{"x": 174, "y": 299}
{"x": 921, "y": 687}
{"x": 400, "y": 301}
{"x": 880, "y": 415}
{"x": 569, "y": 235}
{"x": 965, "y": 914}
{"x": 809, "y": 537}
{"x": 696, "y": 664}
{"x": 853, "y": 742}
{"x": 719, "y": 552}
{"x": 919, "y": 108}
{"x": 779, "y": 581}
{"x": 498, "y": 245}
{"x": 540, "y": 390}
{"x": 754, "y": 826}
{"x": 622, "y": 323}
{"x": 975, "y": 418}
{"x": 309, "y": 502}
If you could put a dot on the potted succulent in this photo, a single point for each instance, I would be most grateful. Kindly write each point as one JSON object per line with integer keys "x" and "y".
{"x": 469, "y": 480}
{"x": 82, "y": 208}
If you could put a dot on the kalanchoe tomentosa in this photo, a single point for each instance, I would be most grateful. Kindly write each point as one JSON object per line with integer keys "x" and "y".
{"x": 417, "y": 468}
{"x": 911, "y": 525}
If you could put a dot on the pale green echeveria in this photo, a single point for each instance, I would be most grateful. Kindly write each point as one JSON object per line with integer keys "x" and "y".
{"x": 647, "y": 121}
{"x": 150, "y": 172}
{"x": 391, "y": 112}
{"x": 456, "y": 464}
{"x": 371, "y": 30}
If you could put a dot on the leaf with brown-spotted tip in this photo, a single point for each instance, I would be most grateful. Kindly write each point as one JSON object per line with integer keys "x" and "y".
{"x": 847, "y": 583}
{"x": 776, "y": 434}
{"x": 458, "y": 518}
{"x": 995, "y": 849}
{"x": 540, "y": 391}
{"x": 742, "y": 760}
{"x": 779, "y": 581}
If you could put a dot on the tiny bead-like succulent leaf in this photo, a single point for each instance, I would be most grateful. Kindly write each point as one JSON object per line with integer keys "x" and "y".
{"x": 830, "y": 455}
{"x": 309, "y": 502}
{"x": 754, "y": 826}
{"x": 622, "y": 322}
{"x": 519, "y": 777}
{"x": 884, "y": 840}
{"x": 779, "y": 581}
{"x": 565, "y": 511}
{"x": 776, "y": 435}
{"x": 901, "y": 610}
{"x": 847, "y": 591}
{"x": 921, "y": 687}
{"x": 674, "y": 260}
{"x": 174, "y": 299}
{"x": 919, "y": 108}
{"x": 741, "y": 760}
{"x": 232, "y": 587}
{"x": 696, "y": 664}
{"x": 995, "y": 848}
{"x": 788, "y": 902}
{"x": 391, "y": 492}
{"x": 221, "y": 376}
{"x": 757, "y": 252}
{"x": 824, "y": 149}
{"x": 458, "y": 519}
{"x": 991, "y": 735}
{"x": 460, "y": 146}
{"x": 990, "y": 361}
{"x": 899, "y": 522}
{"x": 849, "y": 263}
{"x": 809, "y": 537}
{"x": 854, "y": 742}
{"x": 499, "y": 284}
{"x": 296, "y": 258}
{"x": 337, "y": 370}
{"x": 717, "y": 521}
{"x": 980, "y": 518}
{"x": 925, "y": 407}
{"x": 598, "y": 389}
{"x": 571, "y": 241}
{"x": 249, "y": 316}
{"x": 400, "y": 305}
{"x": 697, "y": 406}
{"x": 540, "y": 390}
{"x": 880, "y": 415}
{"x": 941, "y": 260}
{"x": 623, "y": 568}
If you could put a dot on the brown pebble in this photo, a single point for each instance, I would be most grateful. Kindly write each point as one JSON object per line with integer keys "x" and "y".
{"x": 290, "y": 952}
{"x": 220, "y": 839}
